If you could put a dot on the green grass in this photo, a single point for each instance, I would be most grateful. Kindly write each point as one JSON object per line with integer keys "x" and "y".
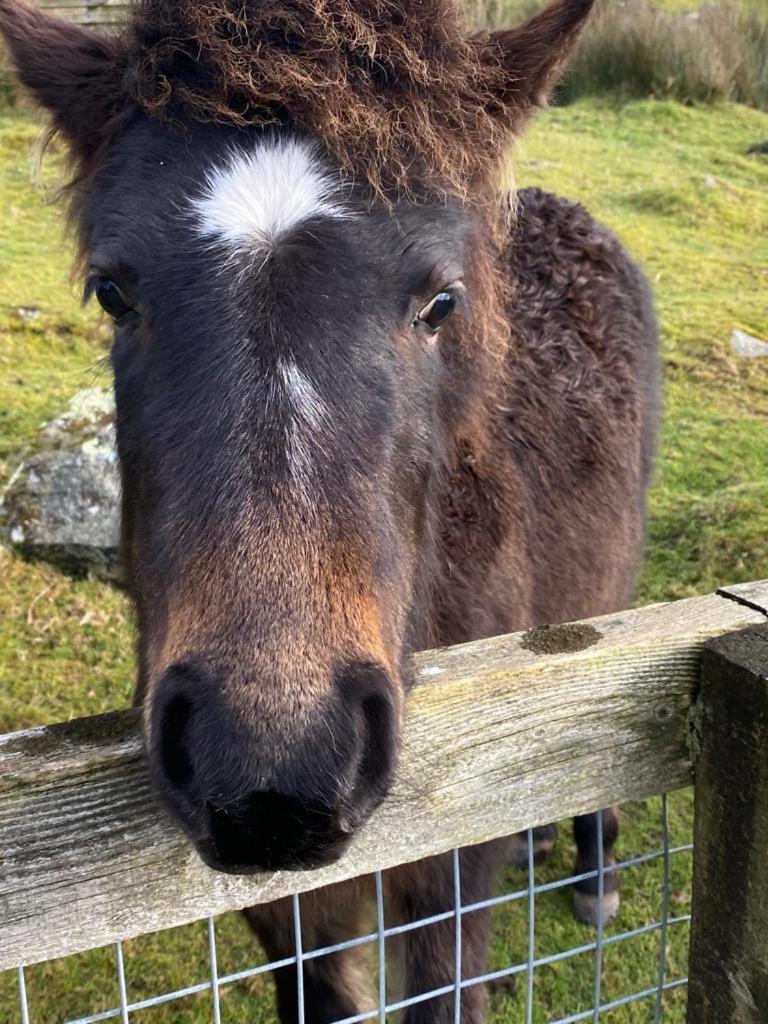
{"x": 654, "y": 48}
{"x": 65, "y": 647}
{"x": 509, "y": 12}
{"x": 676, "y": 185}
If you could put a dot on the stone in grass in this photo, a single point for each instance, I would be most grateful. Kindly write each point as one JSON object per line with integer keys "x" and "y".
{"x": 747, "y": 346}
{"x": 63, "y": 503}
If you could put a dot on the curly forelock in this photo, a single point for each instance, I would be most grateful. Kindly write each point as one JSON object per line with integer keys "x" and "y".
{"x": 398, "y": 92}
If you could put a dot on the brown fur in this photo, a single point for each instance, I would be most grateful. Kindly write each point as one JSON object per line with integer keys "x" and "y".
{"x": 399, "y": 94}
{"x": 546, "y": 414}
{"x": 559, "y": 539}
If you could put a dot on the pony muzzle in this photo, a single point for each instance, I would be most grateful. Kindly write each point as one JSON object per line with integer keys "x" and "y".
{"x": 271, "y": 790}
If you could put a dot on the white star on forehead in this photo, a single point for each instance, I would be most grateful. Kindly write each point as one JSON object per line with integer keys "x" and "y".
{"x": 257, "y": 195}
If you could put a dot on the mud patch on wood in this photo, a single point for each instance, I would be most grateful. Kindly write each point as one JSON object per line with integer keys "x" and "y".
{"x": 564, "y": 639}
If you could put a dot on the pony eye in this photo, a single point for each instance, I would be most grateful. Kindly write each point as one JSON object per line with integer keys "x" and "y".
{"x": 438, "y": 310}
{"x": 111, "y": 298}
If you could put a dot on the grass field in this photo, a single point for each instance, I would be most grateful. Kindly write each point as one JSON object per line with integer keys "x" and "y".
{"x": 511, "y": 11}
{"x": 676, "y": 185}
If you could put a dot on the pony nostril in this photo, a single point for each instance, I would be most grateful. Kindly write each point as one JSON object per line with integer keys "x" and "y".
{"x": 379, "y": 755}
{"x": 174, "y": 754}
{"x": 371, "y": 689}
{"x": 176, "y": 708}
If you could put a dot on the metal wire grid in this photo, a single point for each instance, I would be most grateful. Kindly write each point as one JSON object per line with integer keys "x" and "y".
{"x": 382, "y": 933}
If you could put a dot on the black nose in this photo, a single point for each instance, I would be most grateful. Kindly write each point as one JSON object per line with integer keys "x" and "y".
{"x": 271, "y": 831}
{"x": 259, "y": 791}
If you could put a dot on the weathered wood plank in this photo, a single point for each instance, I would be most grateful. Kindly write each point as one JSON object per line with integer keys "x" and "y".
{"x": 82, "y": 5}
{"x": 753, "y": 595}
{"x": 729, "y": 932}
{"x": 501, "y": 735}
{"x": 98, "y": 14}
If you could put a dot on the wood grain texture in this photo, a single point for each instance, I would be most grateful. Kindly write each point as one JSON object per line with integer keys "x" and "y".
{"x": 753, "y": 595}
{"x": 95, "y": 13}
{"x": 728, "y": 968}
{"x": 499, "y": 737}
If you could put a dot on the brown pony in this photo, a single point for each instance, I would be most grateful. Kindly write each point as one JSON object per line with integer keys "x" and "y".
{"x": 366, "y": 404}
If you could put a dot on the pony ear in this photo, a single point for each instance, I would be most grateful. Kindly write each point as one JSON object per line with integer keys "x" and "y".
{"x": 533, "y": 56}
{"x": 73, "y": 72}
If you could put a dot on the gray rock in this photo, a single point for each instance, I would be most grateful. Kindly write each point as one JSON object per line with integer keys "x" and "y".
{"x": 63, "y": 504}
{"x": 747, "y": 346}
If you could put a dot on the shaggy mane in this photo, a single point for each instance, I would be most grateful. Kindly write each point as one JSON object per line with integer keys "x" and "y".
{"x": 397, "y": 92}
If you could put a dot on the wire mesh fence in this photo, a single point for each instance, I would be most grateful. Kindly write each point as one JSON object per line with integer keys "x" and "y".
{"x": 529, "y": 977}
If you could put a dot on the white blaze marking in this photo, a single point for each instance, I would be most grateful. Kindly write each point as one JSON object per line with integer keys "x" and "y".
{"x": 248, "y": 202}
{"x": 307, "y": 404}
{"x": 257, "y": 195}
{"x": 308, "y": 422}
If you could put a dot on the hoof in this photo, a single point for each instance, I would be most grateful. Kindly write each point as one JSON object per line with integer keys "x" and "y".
{"x": 586, "y": 907}
{"x": 544, "y": 839}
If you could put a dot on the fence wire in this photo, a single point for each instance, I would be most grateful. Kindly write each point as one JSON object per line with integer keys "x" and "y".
{"x": 378, "y": 939}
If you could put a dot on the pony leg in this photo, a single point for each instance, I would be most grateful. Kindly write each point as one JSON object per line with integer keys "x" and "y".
{"x": 426, "y": 888}
{"x": 586, "y": 901}
{"x": 336, "y": 985}
{"x": 544, "y": 839}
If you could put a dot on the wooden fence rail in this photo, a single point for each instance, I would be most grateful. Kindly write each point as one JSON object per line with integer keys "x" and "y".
{"x": 99, "y": 13}
{"x": 501, "y": 735}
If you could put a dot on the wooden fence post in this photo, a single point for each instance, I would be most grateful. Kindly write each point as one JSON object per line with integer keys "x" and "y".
{"x": 729, "y": 932}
